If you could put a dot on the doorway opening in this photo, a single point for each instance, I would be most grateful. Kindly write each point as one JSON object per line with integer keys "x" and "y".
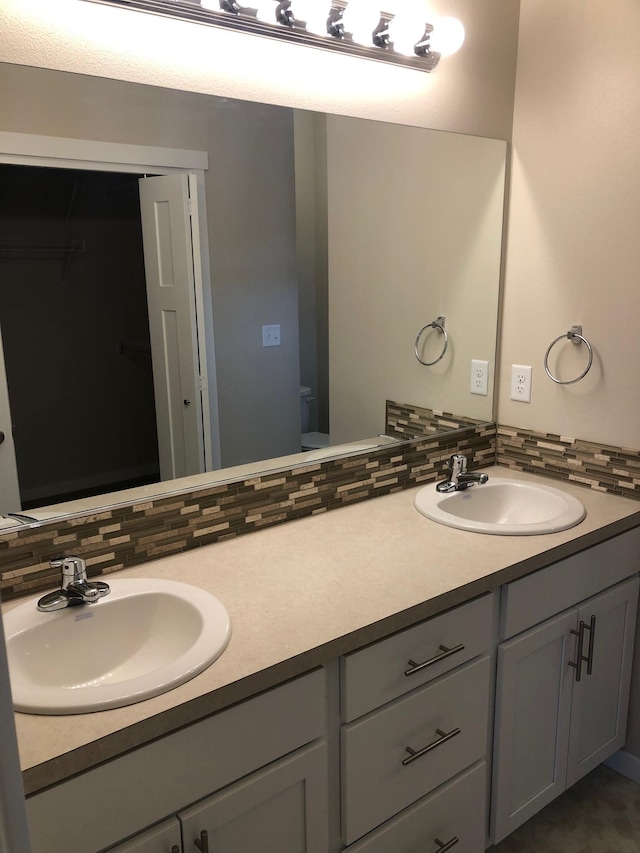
{"x": 75, "y": 329}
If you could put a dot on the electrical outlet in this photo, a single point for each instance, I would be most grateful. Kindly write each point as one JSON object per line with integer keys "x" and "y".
{"x": 479, "y": 377}
{"x": 521, "y": 383}
{"x": 271, "y": 336}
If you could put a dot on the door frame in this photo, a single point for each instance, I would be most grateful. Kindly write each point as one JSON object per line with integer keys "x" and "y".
{"x": 26, "y": 149}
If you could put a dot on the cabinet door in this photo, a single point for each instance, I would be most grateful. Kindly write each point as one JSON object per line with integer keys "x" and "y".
{"x": 601, "y": 697}
{"x": 533, "y": 707}
{"x": 282, "y": 809}
{"x": 163, "y": 838}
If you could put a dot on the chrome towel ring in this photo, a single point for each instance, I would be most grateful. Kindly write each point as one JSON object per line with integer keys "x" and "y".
{"x": 436, "y": 324}
{"x": 575, "y": 336}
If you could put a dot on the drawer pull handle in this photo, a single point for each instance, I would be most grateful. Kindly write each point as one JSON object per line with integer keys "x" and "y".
{"x": 446, "y": 845}
{"x": 202, "y": 843}
{"x": 443, "y": 737}
{"x": 591, "y": 628}
{"x": 445, "y": 653}
{"x": 580, "y": 658}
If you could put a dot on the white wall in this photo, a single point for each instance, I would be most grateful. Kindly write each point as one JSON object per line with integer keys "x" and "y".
{"x": 471, "y": 92}
{"x": 573, "y": 246}
{"x": 415, "y": 232}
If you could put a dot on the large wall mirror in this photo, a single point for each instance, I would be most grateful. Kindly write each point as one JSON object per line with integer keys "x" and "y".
{"x": 330, "y": 242}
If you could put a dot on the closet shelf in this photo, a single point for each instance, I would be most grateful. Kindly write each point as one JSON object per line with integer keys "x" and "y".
{"x": 41, "y": 248}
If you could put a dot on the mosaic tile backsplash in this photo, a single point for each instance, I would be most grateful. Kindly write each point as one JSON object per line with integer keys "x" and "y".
{"x": 130, "y": 535}
{"x": 406, "y": 421}
{"x": 599, "y": 466}
{"x": 136, "y": 533}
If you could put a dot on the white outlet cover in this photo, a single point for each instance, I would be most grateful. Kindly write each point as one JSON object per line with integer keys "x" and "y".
{"x": 479, "y": 377}
{"x": 521, "y": 383}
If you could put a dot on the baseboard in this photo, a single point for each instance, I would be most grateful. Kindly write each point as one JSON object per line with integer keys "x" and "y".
{"x": 625, "y": 764}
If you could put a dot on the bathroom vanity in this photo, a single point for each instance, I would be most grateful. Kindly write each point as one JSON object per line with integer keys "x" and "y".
{"x": 354, "y": 706}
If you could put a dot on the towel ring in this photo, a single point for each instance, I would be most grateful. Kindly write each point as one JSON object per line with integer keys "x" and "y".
{"x": 436, "y": 324}
{"x": 575, "y": 336}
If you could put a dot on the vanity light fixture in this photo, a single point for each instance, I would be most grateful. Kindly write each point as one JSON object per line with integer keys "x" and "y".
{"x": 354, "y": 27}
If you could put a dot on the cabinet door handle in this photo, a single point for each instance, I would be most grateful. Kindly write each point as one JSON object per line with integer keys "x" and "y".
{"x": 202, "y": 843}
{"x": 446, "y": 845}
{"x": 577, "y": 664}
{"x": 175, "y": 849}
{"x": 445, "y": 653}
{"x": 591, "y": 628}
{"x": 443, "y": 737}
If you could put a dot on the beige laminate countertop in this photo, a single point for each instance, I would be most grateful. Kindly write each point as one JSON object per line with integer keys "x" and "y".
{"x": 303, "y": 593}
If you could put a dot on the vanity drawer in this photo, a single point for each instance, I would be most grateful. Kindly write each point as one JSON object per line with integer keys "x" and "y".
{"x": 539, "y": 596}
{"x": 376, "y": 783}
{"x": 456, "y": 810}
{"x": 383, "y": 671}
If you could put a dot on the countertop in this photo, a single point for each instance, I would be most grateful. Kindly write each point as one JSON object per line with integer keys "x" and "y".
{"x": 305, "y": 592}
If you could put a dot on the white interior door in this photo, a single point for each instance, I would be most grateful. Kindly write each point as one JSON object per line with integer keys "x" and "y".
{"x": 169, "y": 265}
{"x": 9, "y": 489}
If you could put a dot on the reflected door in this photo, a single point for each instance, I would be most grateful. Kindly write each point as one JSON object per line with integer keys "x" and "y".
{"x": 169, "y": 267}
{"x": 9, "y": 489}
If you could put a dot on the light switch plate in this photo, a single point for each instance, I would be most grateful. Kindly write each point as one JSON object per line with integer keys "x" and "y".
{"x": 271, "y": 336}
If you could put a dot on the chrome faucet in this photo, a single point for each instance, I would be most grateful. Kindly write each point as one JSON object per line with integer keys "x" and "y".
{"x": 458, "y": 477}
{"x": 74, "y": 587}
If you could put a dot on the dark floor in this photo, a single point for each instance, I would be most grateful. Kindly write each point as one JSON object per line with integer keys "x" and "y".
{"x": 599, "y": 814}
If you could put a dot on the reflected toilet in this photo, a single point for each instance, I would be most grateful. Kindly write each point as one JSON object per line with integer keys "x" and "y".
{"x": 309, "y": 440}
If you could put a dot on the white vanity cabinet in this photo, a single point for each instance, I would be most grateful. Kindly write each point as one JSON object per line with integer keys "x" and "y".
{"x": 563, "y": 683}
{"x": 399, "y": 748}
{"x": 419, "y": 755}
{"x": 264, "y": 759}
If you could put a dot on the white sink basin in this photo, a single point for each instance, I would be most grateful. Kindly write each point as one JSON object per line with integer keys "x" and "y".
{"x": 502, "y": 507}
{"x": 144, "y": 638}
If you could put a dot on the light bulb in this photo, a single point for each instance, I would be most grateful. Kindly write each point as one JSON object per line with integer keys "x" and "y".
{"x": 407, "y": 28}
{"x": 447, "y": 36}
{"x": 360, "y": 18}
{"x": 314, "y": 13}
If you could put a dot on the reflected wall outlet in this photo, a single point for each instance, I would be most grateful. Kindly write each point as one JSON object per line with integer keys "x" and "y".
{"x": 479, "y": 377}
{"x": 271, "y": 336}
{"x": 521, "y": 383}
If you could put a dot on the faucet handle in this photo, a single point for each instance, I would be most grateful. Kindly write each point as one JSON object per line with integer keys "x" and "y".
{"x": 458, "y": 464}
{"x": 74, "y": 569}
